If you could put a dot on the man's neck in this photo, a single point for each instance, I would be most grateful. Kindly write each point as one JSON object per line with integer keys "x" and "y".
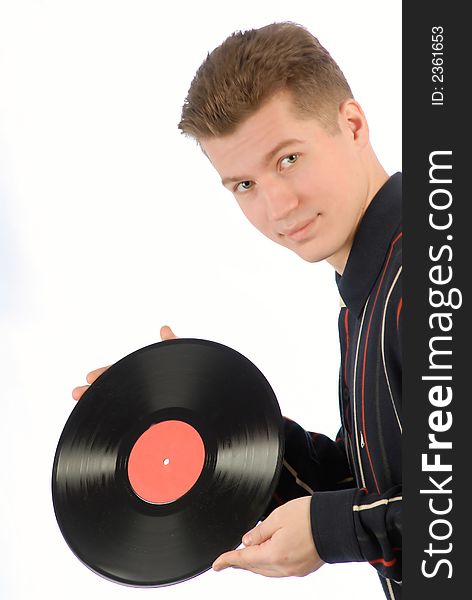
{"x": 376, "y": 180}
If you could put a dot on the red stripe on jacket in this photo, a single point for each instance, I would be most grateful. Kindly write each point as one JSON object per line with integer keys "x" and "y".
{"x": 365, "y": 359}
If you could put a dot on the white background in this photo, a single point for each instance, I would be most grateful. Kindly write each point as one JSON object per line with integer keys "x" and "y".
{"x": 113, "y": 224}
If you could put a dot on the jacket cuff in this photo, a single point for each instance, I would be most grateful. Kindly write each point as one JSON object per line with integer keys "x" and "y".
{"x": 333, "y": 528}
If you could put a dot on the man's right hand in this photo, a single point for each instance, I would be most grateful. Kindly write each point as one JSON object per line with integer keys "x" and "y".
{"x": 166, "y": 334}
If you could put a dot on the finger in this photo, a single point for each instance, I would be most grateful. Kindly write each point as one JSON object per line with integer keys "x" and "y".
{"x": 235, "y": 558}
{"x": 78, "y": 392}
{"x": 167, "y": 333}
{"x": 224, "y": 561}
{"x": 94, "y": 375}
{"x": 256, "y": 559}
{"x": 262, "y": 532}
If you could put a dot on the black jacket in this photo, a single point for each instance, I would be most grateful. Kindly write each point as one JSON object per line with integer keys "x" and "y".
{"x": 355, "y": 481}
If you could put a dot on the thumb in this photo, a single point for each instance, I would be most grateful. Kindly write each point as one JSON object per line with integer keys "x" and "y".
{"x": 261, "y": 533}
{"x": 167, "y": 333}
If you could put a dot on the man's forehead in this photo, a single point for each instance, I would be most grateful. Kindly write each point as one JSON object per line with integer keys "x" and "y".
{"x": 258, "y": 139}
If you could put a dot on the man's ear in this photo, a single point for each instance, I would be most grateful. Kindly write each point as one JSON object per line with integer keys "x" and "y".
{"x": 352, "y": 121}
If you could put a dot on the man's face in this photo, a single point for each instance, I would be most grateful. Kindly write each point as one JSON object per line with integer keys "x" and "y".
{"x": 298, "y": 184}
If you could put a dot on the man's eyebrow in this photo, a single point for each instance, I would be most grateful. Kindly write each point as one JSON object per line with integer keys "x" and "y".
{"x": 267, "y": 158}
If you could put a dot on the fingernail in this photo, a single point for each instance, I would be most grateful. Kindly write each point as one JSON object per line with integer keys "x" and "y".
{"x": 247, "y": 540}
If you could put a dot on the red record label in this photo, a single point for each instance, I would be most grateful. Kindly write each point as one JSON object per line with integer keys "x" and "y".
{"x": 166, "y": 461}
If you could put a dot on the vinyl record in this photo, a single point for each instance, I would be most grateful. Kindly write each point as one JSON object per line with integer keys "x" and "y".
{"x": 169, "y": 457}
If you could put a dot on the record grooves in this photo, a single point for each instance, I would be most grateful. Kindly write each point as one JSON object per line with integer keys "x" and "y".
{"x": 167, "y": 459}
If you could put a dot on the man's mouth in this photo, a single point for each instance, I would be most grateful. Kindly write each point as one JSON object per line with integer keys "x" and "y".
{"x": 299, "y": 230}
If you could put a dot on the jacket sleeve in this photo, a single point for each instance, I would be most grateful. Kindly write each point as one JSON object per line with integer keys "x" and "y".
{"x": 312, "y": 462}
{"x": 348, "y": 525}
{"x": 353, "y": 526}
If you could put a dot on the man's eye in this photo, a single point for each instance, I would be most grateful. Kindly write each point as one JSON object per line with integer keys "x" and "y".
{"x": 289, "y": 160}
{"x": 244, "y": 186}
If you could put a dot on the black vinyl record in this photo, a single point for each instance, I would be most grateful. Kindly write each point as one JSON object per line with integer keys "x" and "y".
{"x": 169, "y": 457}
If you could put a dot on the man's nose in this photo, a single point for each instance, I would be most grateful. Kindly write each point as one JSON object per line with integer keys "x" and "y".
{"x": 279, "y": 200}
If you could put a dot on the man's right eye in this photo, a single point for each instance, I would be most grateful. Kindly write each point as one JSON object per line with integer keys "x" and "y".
{"x": 243, "y": 186}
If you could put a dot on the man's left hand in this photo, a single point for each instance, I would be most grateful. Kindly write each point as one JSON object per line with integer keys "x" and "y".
{"x": 281, "y": 546}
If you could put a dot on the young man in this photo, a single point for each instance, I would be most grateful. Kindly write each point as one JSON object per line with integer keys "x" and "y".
{"x": 276, "y": 118}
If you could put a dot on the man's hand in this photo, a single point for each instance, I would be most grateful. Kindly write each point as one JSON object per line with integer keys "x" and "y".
{"x": 166, "y": 334}
{"x": 281, "y": 546}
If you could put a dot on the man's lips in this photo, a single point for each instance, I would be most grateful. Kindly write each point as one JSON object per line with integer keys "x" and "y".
{"x": 299, "y": 230}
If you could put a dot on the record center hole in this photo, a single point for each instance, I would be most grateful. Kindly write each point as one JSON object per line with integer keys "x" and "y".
{"x": 166, "y": 461}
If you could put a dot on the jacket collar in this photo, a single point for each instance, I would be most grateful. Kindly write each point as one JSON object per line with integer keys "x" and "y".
{"x": 374, "y": 234}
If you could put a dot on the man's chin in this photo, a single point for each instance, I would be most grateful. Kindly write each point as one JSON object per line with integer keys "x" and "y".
{"x": 306, "y": 255}
{"x": 305, "y": 251}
